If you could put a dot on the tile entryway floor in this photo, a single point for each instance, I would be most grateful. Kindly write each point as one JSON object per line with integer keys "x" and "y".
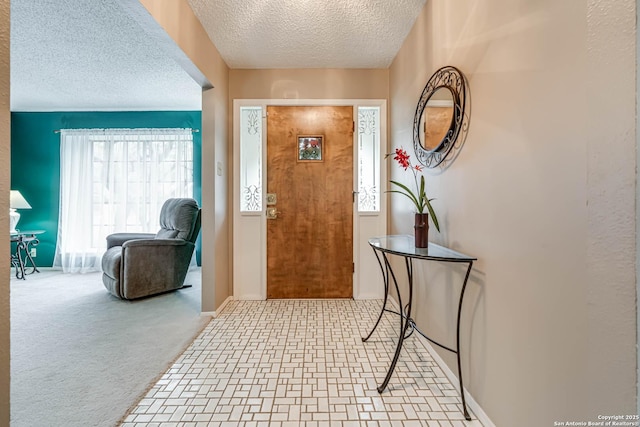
{"x": 300, "y": 363}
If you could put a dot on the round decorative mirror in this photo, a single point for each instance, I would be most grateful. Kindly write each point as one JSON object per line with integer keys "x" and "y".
{"x": 440, "y": 116}
{"x": 436, "y": 119}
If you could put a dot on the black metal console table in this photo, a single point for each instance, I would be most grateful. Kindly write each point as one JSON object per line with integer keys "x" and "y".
{"x": 24, "y": 240}
{"x": 403, "y": 246}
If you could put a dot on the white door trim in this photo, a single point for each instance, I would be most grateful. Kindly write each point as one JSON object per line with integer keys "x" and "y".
{"x": 249, "y": 229}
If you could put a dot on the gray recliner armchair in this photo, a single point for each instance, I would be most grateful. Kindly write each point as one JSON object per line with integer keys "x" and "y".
{"x": 137, "y": 265}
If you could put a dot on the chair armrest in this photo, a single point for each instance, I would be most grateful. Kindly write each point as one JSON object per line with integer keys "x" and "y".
{"x": 150, "y": 266}
{"x": 155, "y": 242}
{"x": 118, "y": 239}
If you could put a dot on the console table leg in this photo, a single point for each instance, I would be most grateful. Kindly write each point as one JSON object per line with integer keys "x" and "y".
{"x": 385, "y": 278}
{"x": 405, "y": 320}
{"x": 403, "y": 324}
{"x": 21, "y": 247}
{"x": 24, "y": 261}
{"x": 16, "y": 264}
{"x": 29, "y": 259}
{"x": 464, "y": 286}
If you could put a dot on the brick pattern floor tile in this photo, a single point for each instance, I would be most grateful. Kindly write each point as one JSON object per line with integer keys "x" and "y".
{"x": 301, "y": 363}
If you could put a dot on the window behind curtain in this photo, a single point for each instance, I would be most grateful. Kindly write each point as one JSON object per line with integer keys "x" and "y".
{"x": 116, "y": 180}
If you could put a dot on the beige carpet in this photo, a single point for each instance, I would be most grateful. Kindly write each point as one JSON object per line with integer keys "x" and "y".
{"x": 81, "y": 357}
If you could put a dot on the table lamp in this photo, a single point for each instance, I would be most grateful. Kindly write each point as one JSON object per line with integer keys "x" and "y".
{"x": 16, "y": 201}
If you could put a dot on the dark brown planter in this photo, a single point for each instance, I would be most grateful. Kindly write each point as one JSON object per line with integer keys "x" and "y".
{"x": 421, "y": 230}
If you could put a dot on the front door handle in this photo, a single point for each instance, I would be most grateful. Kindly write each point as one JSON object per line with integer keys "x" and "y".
{"x": 272, "y": 213}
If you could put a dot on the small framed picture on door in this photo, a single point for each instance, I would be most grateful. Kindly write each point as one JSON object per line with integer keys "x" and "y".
{"x": 310, "y": 148}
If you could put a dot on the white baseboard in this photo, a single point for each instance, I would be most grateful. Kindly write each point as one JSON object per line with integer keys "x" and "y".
{"x": 453, "y": 379}
{"x": 365, "y": 296}
{"x": 250, "y": 297}
{"x": 216, "y": 313}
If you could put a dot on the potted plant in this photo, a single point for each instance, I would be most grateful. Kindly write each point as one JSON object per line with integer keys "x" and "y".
{"x": 419, "y": 198}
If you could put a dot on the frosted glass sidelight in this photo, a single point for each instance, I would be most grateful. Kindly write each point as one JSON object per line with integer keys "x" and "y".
{"x": 369, "y": 159}
{"x": 251, "y": 159}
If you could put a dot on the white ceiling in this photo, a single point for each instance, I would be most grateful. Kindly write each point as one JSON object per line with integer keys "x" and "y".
{"x": 78, "y": 55}
{"x": 307, "y": 33}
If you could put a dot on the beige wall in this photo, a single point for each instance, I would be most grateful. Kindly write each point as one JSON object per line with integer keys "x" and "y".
{"x": 177, "y": 18}
{"x": 543, "y": 193}
{"x": 309, "y": 84}
{"x": 5, "y": 178}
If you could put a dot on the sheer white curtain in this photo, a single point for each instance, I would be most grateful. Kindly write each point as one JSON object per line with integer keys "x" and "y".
{"x": 116, "y": 180}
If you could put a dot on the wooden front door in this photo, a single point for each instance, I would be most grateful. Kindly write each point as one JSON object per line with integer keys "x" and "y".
{"x": 310, "y": 171}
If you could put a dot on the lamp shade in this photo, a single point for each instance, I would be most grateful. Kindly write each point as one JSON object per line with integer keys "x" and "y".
{"x": 17, "y": 201}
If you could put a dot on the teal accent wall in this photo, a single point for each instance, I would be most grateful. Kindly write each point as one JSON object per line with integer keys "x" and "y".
{"x": 35, "y": 161}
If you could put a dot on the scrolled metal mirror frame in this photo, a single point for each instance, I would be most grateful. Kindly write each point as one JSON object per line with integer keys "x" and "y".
{"x": 451, "y": 78}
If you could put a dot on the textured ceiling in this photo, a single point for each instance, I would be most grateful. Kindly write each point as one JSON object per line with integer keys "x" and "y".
{"x": 78, "y": 55}
{"x": 91, "y": 55}
{"x": 307, "y": 33}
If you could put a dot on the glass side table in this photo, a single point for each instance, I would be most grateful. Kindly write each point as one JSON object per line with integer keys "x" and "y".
{"x": 21, "y": 259}
{"x": 403, "y": 246}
